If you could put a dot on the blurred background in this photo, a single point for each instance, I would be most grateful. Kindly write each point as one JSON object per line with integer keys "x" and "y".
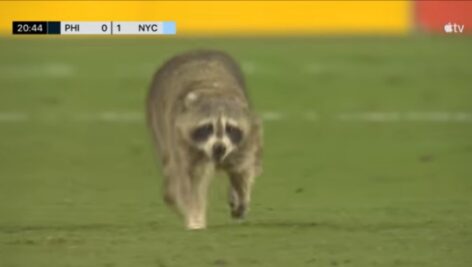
{"x": 367, "y": 111}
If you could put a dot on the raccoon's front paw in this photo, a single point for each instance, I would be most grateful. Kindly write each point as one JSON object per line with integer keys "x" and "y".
{"x": 196, "y": 224}
{"x": 238, "y": 212}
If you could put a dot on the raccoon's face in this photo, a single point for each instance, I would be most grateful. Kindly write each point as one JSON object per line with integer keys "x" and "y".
{"x": 216, "y": 127}
{"x": 217, "y": 137}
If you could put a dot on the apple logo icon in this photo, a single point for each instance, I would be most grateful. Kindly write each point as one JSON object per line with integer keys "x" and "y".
{"x": 448, "y": 28}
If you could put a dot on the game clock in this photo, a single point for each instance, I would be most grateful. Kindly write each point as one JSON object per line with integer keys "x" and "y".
{"x": 30, "y": 27}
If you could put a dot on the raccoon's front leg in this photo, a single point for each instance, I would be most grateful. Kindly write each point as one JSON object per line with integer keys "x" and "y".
{"x": 176, "y": 193}
{"x": 240, "y": 192}
{"x": 200, "y": 180}
{"x": 177, "y": 188}
{"x": 186, "y": 195}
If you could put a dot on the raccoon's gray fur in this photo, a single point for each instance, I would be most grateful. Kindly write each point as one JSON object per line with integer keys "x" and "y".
{"x": 201, "y": 121}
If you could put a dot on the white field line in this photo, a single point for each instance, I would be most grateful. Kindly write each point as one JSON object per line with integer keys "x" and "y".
{"x": 310, "y": 116}
{"x": 437, "y": 116}
{"x": 110, "y": 116}
{"x": 13, "y": 117}
{"x": 145, "y": 69}
{"x": 37, "y": 70}
{"x": 256, "y": 68}
{"x": 248, "y": 67}
{"x": 269, "y": 116}
{"x": 272, "y": 116}
{"x": 313, "y": 68}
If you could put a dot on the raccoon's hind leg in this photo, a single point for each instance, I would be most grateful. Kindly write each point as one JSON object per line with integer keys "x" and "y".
{"x": 240, "y": 192}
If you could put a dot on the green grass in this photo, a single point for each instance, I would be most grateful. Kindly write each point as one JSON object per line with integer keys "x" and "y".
{"x": 78, "y": 192}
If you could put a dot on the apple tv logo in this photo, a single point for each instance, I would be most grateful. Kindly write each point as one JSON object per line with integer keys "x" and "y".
{"x": 453, "y": 28}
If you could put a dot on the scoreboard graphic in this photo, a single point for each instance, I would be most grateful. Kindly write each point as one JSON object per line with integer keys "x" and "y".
{"x": 94, "y": 28}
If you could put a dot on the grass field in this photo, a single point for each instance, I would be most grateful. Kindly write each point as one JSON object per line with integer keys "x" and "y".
{"x": 368, "y": 154}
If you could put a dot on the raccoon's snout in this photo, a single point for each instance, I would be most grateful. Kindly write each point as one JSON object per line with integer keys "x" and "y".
{"x": 219, "y": 151}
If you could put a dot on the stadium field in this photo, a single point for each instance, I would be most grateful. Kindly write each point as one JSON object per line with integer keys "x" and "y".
{"x": 367, "y": 161}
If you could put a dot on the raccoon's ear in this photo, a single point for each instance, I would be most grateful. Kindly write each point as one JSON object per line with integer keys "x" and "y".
{"x": 190, "y": 98}
{"x": 240, "y": 102}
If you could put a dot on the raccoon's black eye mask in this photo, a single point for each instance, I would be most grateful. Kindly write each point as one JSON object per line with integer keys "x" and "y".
{"x": 202, "y": 132}
{"x": 234, "y": 134}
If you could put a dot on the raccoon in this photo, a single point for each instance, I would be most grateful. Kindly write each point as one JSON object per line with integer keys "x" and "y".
{"x": 201, "y": 120}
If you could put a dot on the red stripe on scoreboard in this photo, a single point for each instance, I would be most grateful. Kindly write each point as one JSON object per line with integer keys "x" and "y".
{"x": 444, "y": 16}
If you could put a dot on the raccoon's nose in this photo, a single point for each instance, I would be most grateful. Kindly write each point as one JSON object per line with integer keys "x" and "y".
{"x": 218, "y": 151}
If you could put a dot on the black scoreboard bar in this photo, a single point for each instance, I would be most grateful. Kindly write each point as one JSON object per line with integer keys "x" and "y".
{"x": 96, "y": 28}
{"x": 54, "y": 27}
{"x": 36, "y": 27}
